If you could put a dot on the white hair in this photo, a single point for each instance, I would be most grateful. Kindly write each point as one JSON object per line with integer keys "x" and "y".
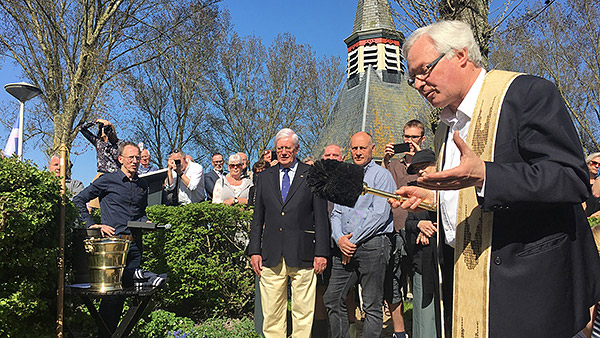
{"x": 287, "y": 132}
{"x": 448, "y": 36}
{"x": 234, "y": 158}
{"x": 590, "y": 157}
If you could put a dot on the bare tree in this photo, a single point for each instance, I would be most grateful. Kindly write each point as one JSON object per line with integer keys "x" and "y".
{"x": 168, "y": 92}
{"x": 327, "y": 76}
{"x": 559, "y": 41}
{"x": 412, "y": 14}
{"x": 257, "y": 92}
{"x": 72, "y": 50}
{"x": 235, "y": 97}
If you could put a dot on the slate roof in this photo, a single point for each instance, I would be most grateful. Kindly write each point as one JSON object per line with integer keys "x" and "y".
{"x": 373, "y": 14}
{"x": 383, "y": 106}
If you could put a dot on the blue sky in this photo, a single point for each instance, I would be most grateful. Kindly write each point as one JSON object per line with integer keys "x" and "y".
{"x": 323, "y": 24}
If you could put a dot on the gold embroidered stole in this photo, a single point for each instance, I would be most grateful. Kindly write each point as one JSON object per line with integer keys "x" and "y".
{"x": 474, "y": 228}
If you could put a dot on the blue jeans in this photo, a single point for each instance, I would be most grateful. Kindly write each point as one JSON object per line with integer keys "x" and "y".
{"x": 367, "y": 266}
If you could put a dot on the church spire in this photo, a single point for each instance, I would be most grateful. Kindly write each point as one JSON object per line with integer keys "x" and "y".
{"x": 374, "y": 40}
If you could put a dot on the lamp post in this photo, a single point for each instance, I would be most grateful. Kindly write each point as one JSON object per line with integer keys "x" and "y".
{"x": 23, "y": 92}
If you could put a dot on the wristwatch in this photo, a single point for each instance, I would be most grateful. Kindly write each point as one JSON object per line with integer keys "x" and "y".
{"x": 235, "y": 200}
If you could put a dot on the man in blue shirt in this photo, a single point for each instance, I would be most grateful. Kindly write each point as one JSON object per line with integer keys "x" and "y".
{"x": 363, "y": 245}
{"x": 123, "y": 197}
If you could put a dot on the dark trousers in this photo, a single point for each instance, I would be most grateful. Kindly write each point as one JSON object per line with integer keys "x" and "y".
{"x": 111, "y": 307}
{"x": 367, "y": 266}
{"x": 446, "y": 259}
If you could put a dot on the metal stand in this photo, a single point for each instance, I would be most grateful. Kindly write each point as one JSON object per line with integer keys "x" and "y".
{"x": 141, "y": 299}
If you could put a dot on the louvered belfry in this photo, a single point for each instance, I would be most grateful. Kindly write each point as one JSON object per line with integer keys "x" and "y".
{"x": 375, "y": 96}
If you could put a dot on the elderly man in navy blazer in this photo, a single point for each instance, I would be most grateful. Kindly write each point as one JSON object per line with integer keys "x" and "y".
{"x": 289, "y": 239}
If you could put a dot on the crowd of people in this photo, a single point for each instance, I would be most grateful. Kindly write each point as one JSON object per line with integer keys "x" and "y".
{"x": 507, "y": 176}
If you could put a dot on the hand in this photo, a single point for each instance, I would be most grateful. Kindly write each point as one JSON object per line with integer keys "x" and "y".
{"x": 415, "y": 196}
{"x": 470, "y": 172}
{"x": 388, "y": 153}
{"x": 319, "y": 264}
{"x": 427, "y": 228}
{"x": 256, "y": 262}
{"x": 171, "y": 164}
{"x": 346, "y": 259}
{"x": 346, "y": 246}
{"x": 414, "y": 145}
{"x": 104, "y": 122}
{"x": 422, "y": 239}
{"x": 105, "y": 230}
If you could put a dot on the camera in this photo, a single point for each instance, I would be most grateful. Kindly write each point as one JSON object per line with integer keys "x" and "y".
{"x": 178, "y": 162}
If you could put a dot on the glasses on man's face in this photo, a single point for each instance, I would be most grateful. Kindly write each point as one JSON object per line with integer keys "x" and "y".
{"x": 414, "y": 137}
{"x": 131, "y": 158}
{"x": 424, "y": 72}
{"x": 235, "y": 165}
{"x": 595, "y": 163}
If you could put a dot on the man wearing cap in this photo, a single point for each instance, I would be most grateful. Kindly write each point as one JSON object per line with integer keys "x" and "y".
{"x": 422, "y": 227}
{"x": 399, "y": 267}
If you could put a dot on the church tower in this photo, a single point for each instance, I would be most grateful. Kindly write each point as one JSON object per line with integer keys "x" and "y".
{"x": 375, "y": 96}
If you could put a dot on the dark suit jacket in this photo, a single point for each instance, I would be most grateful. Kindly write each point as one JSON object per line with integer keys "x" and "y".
{"x": 544, "y": 268}
{"x": 209, "y": 183}
{"x": 298, "y": 229}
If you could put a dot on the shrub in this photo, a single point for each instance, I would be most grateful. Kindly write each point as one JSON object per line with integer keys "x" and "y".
{"x": 167, "y": 324}
{"x": 203, "y": 254}
{"x": 29, "y": 215}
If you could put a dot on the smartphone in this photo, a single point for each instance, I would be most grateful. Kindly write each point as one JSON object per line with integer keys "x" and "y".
{"x": 401, "y": 148}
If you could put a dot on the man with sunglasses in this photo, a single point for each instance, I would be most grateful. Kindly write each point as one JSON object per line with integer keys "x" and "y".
{"x": 515, "y": 216}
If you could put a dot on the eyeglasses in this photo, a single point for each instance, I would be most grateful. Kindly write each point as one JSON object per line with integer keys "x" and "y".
{"x": 595, "y": 163}
{"x": 236, "y": 165}
{"x": 131, "y": 158}
{"x": 425, "y": 71}
{"x": 414, "y": 137}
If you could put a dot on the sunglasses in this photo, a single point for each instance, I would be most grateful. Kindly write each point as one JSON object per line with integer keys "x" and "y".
{"x": 238, "y": 165}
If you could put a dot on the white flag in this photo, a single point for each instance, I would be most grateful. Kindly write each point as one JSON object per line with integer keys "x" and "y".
{"x": 12, "y": 145}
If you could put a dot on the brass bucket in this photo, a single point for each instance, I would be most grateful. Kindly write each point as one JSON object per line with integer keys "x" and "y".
{"x": 107, "y": 258}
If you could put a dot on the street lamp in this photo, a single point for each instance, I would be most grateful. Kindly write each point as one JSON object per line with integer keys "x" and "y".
{"x": 23, "y": 92}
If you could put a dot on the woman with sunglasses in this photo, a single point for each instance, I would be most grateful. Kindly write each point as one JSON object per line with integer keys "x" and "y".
{"x": 592, "y": 205}
{"x": 232, "y": 189}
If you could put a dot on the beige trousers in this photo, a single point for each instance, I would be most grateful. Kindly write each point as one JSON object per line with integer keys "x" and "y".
{"x": 273, "y": 288}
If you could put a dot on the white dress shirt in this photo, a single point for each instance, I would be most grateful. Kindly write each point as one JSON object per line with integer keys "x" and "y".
{"x": 291, "y": 173}
{"x": 456, "y": 121}
{"x": 193, "y": 192}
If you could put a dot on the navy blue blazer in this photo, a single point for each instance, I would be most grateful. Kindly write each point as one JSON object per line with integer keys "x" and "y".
{"x": 544, "y": 269}
{"x": 298, "y": 229}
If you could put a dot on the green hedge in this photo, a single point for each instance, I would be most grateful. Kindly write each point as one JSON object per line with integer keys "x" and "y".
{"x": 29, "y": 214}
{"x": 203, "y": 254}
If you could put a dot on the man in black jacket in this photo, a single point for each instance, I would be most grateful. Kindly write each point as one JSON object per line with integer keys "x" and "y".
{"x": 289, "y": 239}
